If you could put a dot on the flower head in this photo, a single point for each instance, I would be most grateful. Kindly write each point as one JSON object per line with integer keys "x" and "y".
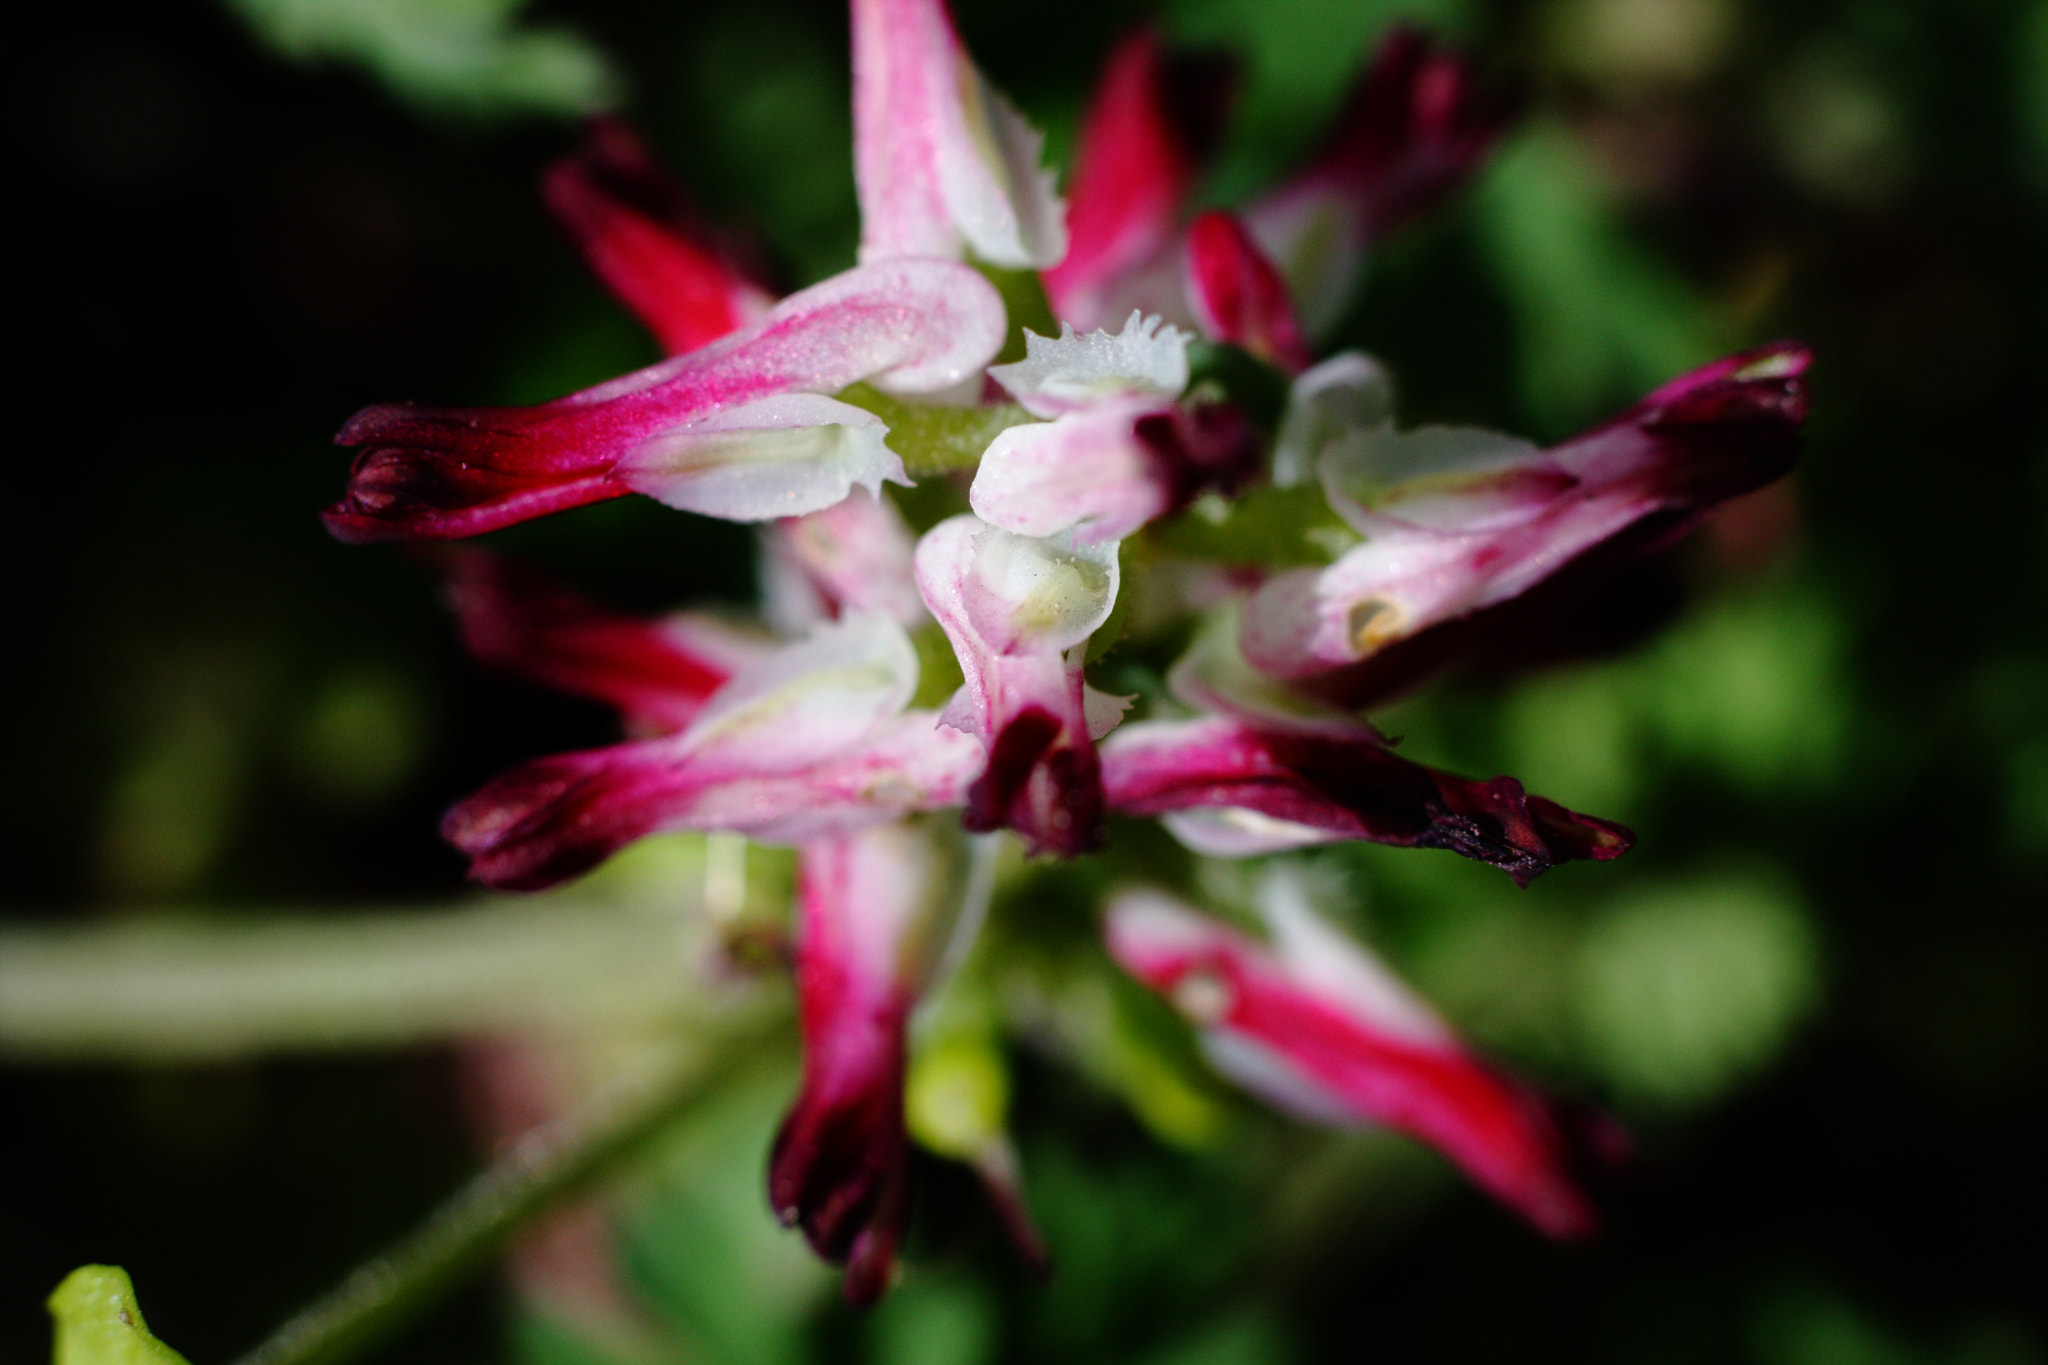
{"x": 934, "y": 655}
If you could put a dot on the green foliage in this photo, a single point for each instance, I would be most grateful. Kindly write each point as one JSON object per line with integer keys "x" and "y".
{"x": 99, "y": 1322}
{"x": 1601, "y": 320}
{"x": 466, "y": 57}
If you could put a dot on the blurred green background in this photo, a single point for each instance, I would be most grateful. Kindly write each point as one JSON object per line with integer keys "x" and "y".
{"x": 1817, "y": 991}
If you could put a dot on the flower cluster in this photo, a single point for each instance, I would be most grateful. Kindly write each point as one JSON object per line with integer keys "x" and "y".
{"x": 814, "y": 735}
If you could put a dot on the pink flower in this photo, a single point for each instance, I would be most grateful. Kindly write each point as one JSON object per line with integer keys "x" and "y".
{"x": 1018, "y": 611}
{"x": 811, "y": 738}
{"x": 1229, "y": 788}
{"x": 840, "y": 1168}
{"x": 1456, "y": 520}
{"x": 1316, "y": 1026}
{"x": 742, "y": 428}
{"x": 943, "y": 164}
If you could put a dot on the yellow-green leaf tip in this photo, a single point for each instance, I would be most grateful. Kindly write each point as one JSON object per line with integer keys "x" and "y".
{"x": 99, "y": 1322}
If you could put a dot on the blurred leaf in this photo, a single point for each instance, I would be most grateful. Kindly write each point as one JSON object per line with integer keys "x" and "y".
{"x": 1683, "y": 990}
{"x": 459, "y": 56}
{"x": 934, "y": 1322}
{"x": 1601, "y": 319}
{"x": 99, "y": 1322}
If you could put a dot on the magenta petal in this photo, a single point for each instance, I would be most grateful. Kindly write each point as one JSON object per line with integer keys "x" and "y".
{"x": 840, "y": 1165}
{"x": 658, "y": 673}
{"x": 1339, "y": 788}
{"x": 905, "y": 325}
{"x": 1152, "y": 121}
{"x": 1336, "y": 1038}
{"x": 633, "y": 227}
{"x": 1238, "y": 296}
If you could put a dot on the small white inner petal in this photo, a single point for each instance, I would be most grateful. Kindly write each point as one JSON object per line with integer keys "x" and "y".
{"x": 1071, "y": 371}
{"x": 1045, "y": 593}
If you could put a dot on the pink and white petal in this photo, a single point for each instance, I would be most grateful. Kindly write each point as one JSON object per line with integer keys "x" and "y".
{"x": 1238, "y": 296}
{"x": 659, "y": 673}
{"x": 941, "y": 161}
{"x": 806, "y": 701}
{"x": 853, "y": 556}
{"x": 636, "y": 232}
{"x": 1151, "y": 121}
{"x": 1017, "y": 611}
{"x": 554, "y": 818}
{"x": 1348, "y": 392}
{"x": 913, "y": 326}
{"x": 841, "y": 1161}
{"x": 1450, "y": 479}
{"x": 1086, "y": 472}
{"x": 1337, "y": 1039}
{"x": 1075, "y": 372}
{"x": 1457, "y": 522}
{"x": 780, "y": 456}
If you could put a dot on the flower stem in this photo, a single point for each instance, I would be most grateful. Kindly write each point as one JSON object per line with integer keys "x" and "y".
{"x": 616, "y": 1125}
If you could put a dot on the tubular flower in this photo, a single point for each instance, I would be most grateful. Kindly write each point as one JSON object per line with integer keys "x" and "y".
{"x": 1314, "y": 1024}
{"x": 741, "y": 429}
{"x": 1107, "y": 492}
{"x": 840, "y": 1168}
{"x": 1456, "y": 520}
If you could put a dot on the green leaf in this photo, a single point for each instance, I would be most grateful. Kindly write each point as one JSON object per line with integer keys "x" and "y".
{"x": 99, "y": 1322}
{"x": 461, "y": 56}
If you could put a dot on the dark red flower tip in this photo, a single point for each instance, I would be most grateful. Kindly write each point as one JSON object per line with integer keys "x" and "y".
{"x": 516, "y": 620}
{"x": 1730, "y": 427}
{"x": 1413, "y": 129}
{"x": 1238, "y": 295}
{"x": 1349, "y": 788}
{"x": 639, "y": 235}
{"x": 554, "y": 818}
{"x": 1048, "y": 791}
{"x": 840, "y": 1167}
{"x": 444, "y": 473}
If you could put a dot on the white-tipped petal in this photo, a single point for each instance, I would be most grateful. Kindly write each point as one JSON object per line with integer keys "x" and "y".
{"x": 1082, "y": 370}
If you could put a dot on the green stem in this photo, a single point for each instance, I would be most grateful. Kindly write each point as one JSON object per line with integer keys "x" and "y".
{"x": 606, "y": 1133}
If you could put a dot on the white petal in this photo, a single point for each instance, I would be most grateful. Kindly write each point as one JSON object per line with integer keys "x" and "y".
{"x": 1237, "y": 832}
{"x": 806, "y": 701}
{"x": 1445, "y": 478}
{"x": 1073, "y": 371}
{"x": 779, "y": 456}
